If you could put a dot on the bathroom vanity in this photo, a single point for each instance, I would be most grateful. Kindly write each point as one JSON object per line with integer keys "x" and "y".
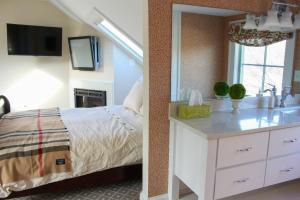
{"x": 229, "y": 154}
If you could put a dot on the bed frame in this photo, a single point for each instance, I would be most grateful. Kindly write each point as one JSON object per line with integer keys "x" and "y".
{"x": 110, "y": 176}
{"x": 6, "y": 106}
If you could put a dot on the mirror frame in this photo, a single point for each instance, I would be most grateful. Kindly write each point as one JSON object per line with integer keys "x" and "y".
{"x": 94, "y": 47}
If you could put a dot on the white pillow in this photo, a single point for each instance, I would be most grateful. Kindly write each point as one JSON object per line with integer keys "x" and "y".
{"x": 142, "y": 110}
{"x": 134, "y": 99}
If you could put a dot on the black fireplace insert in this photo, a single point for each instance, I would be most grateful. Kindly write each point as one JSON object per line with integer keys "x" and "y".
{"x": 89, "y": 98}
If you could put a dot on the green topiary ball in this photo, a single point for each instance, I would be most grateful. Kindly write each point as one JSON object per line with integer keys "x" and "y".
{"x": 221, "y": 88}
{"x": 237, "y": 91}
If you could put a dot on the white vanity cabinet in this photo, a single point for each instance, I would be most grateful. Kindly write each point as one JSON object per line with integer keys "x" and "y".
{"x": 216, "y": 166}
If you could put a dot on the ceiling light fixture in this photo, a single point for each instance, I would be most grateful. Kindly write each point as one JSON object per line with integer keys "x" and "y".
{"x": 286, "y": 22}
{"x": 279, "y": 18}
{"x": 250, "y": 22}
{"x": 272, "y": 20}
{"x": 262, "y": 23}
{"x": 297, "y": 21}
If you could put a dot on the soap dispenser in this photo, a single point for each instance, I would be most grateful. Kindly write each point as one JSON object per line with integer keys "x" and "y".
{"x": 260, "y": 99}
{"x": 272, "y": 98}
{"x": 271, "y": 103}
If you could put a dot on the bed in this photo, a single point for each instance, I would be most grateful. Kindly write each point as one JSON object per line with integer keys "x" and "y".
{"x": 105, "y": 146}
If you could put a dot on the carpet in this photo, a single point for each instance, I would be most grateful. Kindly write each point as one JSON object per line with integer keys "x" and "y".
{"x": 123, "y": 191}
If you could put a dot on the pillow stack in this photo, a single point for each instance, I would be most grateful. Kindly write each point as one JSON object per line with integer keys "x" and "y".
{"x": 134, "y": 100}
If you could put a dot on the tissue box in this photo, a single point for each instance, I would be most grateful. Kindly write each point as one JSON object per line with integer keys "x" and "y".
{"x": 189, "y": 112}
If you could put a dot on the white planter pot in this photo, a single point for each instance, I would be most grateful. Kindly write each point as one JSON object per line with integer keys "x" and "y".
{"x": 221, "y": 97}
{"x": 236, "y": 105}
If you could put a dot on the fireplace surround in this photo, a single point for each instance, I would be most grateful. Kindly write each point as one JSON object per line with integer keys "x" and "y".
{"x": 89, "y": 98}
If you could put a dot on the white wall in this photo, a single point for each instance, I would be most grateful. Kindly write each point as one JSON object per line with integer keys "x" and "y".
{"x": 117, "y": 69}
{"x": 41, "y": 82}
{"x": 144, "y": 194}
{"x": 126, "y": 14}
{"x": 106, "y": 71}
{"x": 127, "y": 71}
{"x": 103, "y": 78}
{"x": 31, "y": 81}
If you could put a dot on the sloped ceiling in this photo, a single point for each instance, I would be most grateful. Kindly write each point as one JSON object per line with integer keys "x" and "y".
{"x": 127, "y": 15}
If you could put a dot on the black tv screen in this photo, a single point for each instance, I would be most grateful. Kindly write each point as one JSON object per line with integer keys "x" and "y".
{"x": 34, "y": 40}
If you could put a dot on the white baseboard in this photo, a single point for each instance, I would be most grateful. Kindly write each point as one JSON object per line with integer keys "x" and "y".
{"x": 143, "y": 196}
{"x": 160, "y": 197}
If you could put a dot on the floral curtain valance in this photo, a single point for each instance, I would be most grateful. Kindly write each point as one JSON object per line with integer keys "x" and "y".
{"x": 254, "y": 37}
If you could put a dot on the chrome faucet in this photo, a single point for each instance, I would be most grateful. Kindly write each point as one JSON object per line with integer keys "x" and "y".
{"x": 286, "y": 91}
{"x": 273, "y": 91}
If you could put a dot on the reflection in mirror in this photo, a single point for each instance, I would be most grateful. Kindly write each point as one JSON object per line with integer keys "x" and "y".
{"x": 258, "y": 68}
{"x": 204, "y": 51}
{"x": 84, "y": 52}
{"x": 81, "y": 53}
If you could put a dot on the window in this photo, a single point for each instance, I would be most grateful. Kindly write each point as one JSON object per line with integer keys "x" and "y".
{"x": 114, "y": 33}
{"x": 258, "y": 67}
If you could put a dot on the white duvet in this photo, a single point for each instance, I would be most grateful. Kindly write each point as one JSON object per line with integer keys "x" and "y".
{"x": 101, "y": 138}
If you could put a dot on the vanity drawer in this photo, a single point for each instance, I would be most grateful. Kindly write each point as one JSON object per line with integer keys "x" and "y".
{"x": 242, "y": 149}
{"x": 283, "y": 169}
{"x": 284, "y": 141}
{"x": 240, "y": 179}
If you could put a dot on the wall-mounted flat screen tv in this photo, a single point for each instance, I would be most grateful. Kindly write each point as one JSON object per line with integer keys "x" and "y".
{"x": 34, "y": 40}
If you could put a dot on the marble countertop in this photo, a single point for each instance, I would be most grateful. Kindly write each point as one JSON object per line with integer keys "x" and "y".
{"x": 226, "y": 124}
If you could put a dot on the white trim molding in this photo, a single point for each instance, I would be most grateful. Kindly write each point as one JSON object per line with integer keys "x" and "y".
{"x": 176, "y": 56}
{"x": 160, "y": 197}
{"x": 143, "y": 196}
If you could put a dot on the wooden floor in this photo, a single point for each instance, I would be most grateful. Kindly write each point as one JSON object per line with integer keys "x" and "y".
{"x": 287, "y": 191}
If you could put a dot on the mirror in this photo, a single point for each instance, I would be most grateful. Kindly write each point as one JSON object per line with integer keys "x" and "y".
{"x": 84, "y": 53}
{"x": 203, "y": 53}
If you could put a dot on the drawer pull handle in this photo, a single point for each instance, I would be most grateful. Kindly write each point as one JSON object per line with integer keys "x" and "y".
{"x": 244, "y": 180}
{"x": 287, "y": 170}
{"x": 290, "y": 141}
{"x": 244, "y": 150}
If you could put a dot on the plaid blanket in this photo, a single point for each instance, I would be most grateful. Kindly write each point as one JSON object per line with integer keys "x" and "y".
{"x": 33, "y": 144}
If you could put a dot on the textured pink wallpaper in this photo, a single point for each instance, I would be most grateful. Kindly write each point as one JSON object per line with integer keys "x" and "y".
{"x": 160, "y": 20}
{"x": 202, "y": 52}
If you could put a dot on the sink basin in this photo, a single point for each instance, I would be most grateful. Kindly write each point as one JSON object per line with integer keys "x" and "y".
{"x": 288, "y": 111}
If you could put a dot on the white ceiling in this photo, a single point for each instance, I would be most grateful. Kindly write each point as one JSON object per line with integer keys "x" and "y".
{"x": 127, "y": 15}
{"x": 206, "y": 10}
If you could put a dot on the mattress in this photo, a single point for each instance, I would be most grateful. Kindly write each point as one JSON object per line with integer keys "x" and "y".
{"x": 100, "y": 138}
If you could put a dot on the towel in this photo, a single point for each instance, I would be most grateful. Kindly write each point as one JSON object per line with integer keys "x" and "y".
{"x": 195, "y": 98}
